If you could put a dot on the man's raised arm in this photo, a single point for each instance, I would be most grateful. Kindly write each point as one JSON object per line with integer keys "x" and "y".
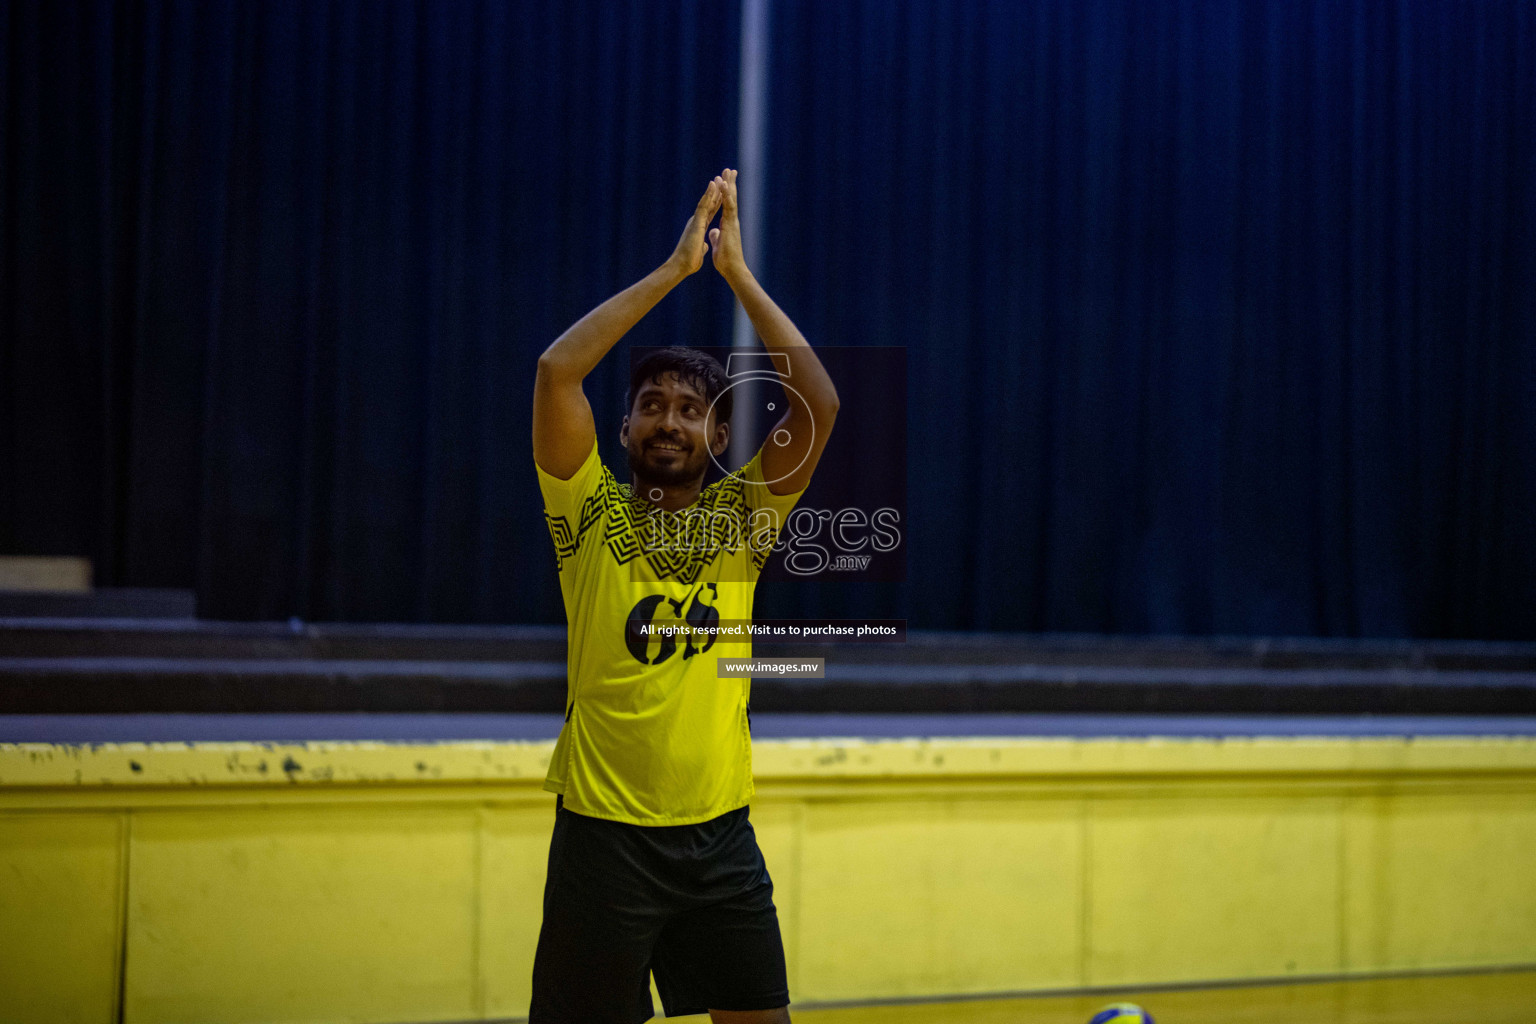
{"x": 563, "y": 430}
{"x": 795, "y": 444}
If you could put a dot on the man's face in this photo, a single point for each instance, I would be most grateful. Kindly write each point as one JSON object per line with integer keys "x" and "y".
{"x": 670, "y": 432}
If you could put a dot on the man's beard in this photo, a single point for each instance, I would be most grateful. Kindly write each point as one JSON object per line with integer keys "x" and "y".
{"x": 684, "y": 471}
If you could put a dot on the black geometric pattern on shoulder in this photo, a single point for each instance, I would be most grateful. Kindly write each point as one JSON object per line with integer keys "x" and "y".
{"x": 676, "y": 545}
{"x": 565, "y": 540}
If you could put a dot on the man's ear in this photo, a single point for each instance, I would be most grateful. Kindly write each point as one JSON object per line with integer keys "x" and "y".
{"x": 624, "y": 433}
{"x": 722, "y": 439}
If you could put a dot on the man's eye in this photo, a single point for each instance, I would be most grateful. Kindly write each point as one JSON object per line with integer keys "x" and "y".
{"x": 691, "y": 410}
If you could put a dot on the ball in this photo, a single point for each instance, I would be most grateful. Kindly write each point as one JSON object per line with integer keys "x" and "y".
{"x": 1121, "y": 1013}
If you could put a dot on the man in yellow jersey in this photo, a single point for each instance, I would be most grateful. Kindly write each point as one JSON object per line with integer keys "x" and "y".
{"x": 653, "y": 866}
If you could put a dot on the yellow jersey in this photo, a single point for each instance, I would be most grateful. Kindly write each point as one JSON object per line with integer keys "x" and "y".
{"x": 651, "y": 735}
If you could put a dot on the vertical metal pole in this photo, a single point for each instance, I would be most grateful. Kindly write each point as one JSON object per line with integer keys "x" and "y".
{"x": 747, "y": 425}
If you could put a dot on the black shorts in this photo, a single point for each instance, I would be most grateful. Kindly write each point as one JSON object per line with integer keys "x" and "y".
{"x": 692, "y": 904}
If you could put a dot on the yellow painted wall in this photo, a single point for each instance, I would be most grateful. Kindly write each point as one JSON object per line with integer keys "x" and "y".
{"x": 60, "y": 915}
{"x": 371, "y": 882}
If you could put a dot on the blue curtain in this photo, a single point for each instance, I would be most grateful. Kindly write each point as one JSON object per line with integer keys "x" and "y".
{"x": 276, "y": 276}
{"x": 1219, "y": 315}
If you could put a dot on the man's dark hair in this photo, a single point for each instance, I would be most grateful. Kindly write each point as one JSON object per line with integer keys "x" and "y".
{"x": 699, "y": 370}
